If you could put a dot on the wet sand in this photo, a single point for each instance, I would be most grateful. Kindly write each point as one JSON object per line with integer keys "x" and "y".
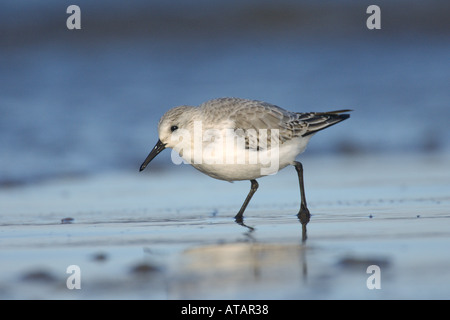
{"x": 170, "y": 234}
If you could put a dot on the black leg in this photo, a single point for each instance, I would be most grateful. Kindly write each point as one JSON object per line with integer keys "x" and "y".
{"x": 240, "y": 215}
{"x": 303, "y": 215}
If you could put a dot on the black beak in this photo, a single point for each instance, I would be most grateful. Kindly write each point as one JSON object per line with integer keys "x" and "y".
{"x": 156, "y": 149}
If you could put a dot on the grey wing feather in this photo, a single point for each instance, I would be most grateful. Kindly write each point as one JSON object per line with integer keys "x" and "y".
{"x": 251, "y": 117}
{"x": 260, "y": 123}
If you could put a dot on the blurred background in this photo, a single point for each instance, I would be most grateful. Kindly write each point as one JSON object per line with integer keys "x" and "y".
{"x": 78, "y": 102}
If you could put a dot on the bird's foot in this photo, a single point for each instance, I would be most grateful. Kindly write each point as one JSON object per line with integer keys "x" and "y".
{"x": 304, "y": 215}
{"x": 240, "y": 221}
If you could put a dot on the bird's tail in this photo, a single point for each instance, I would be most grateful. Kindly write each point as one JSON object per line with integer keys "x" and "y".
{"x": 321, "y": 120}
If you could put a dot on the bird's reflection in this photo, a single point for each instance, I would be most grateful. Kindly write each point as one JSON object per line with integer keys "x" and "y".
{"x": 240, "y": 221}
{"x": 250, "y": 265}
{"x": 243, "y": 266}
{"x": 303, "y": 217}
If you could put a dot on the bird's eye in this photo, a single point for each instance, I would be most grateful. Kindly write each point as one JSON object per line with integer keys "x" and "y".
{"x": 173, "y": 128}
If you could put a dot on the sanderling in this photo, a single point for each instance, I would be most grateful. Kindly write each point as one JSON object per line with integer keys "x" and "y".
{"x": 238, "y": 139}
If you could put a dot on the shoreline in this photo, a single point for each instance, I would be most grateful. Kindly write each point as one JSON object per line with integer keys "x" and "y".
{"x": 136, "y": 239}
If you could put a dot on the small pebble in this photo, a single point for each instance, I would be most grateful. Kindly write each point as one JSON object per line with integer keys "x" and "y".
{"x": 143, "y": 268}
{"x": 38, "y": 276}
{"x": 100, "y": 257}
{"x": 67, "y": 220}
{"x": 350, "y": 262}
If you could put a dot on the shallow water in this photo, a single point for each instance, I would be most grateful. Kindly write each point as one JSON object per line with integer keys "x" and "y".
{"x": 171, "y": 235}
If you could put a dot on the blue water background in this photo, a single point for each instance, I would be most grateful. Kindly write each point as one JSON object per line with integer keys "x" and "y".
{"x": 85, "y": 101}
